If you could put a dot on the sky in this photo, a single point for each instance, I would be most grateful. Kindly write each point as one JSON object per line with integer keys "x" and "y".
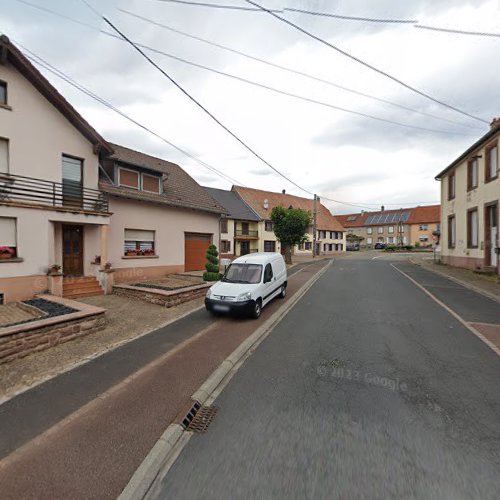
{"x": 343, "y": 156}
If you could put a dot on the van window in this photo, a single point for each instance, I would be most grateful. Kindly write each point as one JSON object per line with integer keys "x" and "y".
{"x": 268, "y": 273}
{"x": 243, "y": 273}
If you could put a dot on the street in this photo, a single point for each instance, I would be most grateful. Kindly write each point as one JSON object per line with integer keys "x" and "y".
{"x": 368, "y": 388}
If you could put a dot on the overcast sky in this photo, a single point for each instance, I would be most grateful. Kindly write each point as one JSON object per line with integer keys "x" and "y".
{"x": 334, "y": 153}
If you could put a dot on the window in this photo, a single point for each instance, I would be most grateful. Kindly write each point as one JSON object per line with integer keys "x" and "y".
{"x": 4, "y": 156}
{"x": 369, "y": 241}
{"x": 223, "y": 226}
{"x": 380, "y": 230}
{"x": 380, "y": 239}
{"x": 390, "y": 229}
{"x": 452, "y": 234}
{"x": 352, "y": 218}
{"x": 451, "y": 186}
{"x": 150, "y": 183}
{"x": 8, "y": 240}
{"x": 269, "y": 246}
{"x": 423, "y": 238}
{"x": 245, "y": 228}
{"x": 243, "y": 273}
{"x": 268, "y": 273}
{"x": 369, "y": 230}
{"x": 72, "y": 180}
{"x": 401, "y": 229}
{"x": 139, "y": 242}
{"x": 472, "y": 228}
{"x": 225, "y": 246}
{"x": 325, "y": 247}
{"x": 423, "y": 227}
{"x": 269, "y": 225}
{"x": 128, "y": 178}
{"x": 3, "y": 93}
{"x": 491, "y": 163}
{"x": 390, "y": 239}
{"x": 472, "y": 174}
{"x": 308, "y": 245}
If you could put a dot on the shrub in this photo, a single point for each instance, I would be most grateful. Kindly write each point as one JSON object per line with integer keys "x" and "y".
{"x": 408, "y": 247}
{"x": 417, "y": 244}
{"x": 212, "y": 265}
{"x": 390, "y": 248}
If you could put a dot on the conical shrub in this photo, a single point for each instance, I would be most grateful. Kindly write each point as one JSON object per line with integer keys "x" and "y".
{"x": 212, "y": 265}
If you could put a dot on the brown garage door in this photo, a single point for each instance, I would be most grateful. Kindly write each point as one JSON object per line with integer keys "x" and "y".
{"x": 195, "y": 248}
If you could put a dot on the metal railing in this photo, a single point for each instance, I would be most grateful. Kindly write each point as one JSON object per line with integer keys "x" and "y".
{"x": 243, "y": 232}
{"x": 246, "y": 252}
{"x": 66, "y": 194}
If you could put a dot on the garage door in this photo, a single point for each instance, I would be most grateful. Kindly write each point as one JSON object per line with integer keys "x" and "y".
{"x": 195, "y": 248}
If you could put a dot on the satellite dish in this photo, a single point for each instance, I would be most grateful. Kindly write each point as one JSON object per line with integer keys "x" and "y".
{"x": 266, "y": 203}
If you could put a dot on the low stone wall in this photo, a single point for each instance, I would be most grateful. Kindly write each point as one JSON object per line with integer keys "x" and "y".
{"x": 23, "y": 339}
{"x": 162, "y": 297}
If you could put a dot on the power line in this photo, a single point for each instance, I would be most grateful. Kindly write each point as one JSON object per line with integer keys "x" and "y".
{"x": 370, "y": 66}
{"x": 290, "y": 70}
{"x": 351, "y": 18}
{"x": 458, "y": 32}
{"x": 55, "y": 71}
{"x": 215, "y": 5}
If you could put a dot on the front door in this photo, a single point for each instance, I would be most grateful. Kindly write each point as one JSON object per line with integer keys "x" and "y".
{"x": 491, "y": 235}
{"x": 244, "y": 247}
{"x": 73, "y": 250}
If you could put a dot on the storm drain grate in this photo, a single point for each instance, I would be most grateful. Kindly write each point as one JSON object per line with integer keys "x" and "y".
{"x": 199, "y": 418}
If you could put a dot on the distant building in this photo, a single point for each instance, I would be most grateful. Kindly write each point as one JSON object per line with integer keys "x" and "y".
{"x": 470, "y": 194}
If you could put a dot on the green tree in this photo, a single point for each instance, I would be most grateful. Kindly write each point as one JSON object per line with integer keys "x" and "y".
{"x": 290, "y": 227}
{"x": 212, "y": 265}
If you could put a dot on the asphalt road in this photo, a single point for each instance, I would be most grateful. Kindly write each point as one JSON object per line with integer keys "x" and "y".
{"x": 367, "y": 389}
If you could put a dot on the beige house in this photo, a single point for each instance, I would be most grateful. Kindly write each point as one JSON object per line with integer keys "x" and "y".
{"x": 470, "y": 201}
{"x": 330, "y": 235}
{"x": 415, "y": 226}
{"x": 59, "y": 207}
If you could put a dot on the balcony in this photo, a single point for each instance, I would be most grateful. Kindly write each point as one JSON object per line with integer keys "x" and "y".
{"x": 246, "y": 234}
{"x": 71, "y": 196}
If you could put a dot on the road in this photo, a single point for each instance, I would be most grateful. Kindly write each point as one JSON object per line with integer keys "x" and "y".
{"x": 368, "y": 388}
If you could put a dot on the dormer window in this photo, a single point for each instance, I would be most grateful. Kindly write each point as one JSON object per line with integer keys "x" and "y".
{"x": 150, "y": 183}
{"x": 3, "y": 93}
{"x": 129, "y": 178}
{"x": 140, "y": 181}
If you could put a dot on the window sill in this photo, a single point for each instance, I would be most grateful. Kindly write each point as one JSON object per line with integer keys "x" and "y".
{"x": 491, "y": 179}
{"x": 6, "y": 106}
{"x": 140, "y": 256}
{"x": 16, "y": 259}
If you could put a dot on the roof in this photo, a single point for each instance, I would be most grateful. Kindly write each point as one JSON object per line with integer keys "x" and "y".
{"x": 413, "y": 215}
{"x": 494, "y": 130}
{"x": 233, "y": 203}
{"x": 255, "y": 198}
{"x": 10, "y": 53}
{"x": 179, "y": 189}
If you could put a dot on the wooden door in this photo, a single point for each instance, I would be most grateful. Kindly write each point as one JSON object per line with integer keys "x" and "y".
{"x": 73, "y": 250}
{"x": 195, "y": 249}
{"x": 244, "y": 248}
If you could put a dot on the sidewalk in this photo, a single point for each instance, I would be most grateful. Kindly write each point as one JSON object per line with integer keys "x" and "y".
{"x": 83, "y": 434}
{"x": 488, "y": 285}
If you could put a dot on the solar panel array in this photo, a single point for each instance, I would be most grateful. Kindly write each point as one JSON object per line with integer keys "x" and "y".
{"x": 389, "y": 218}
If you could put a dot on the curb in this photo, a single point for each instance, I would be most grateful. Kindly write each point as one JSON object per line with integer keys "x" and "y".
{"x": 459, "y": 282}
{"x": 167, "y": 447}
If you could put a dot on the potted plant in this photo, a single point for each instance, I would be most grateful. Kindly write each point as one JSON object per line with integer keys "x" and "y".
{"x": 107, "y": 266}
{"x": 148, "y": 251}
{"x": 97, "y": 259}
{"x": 6, "y": 253}
{"x": 54, "y": 269}
{"x": 131, "y": 253}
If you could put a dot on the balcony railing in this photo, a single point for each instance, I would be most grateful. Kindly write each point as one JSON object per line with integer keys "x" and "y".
{"x": 246, "y": 252}
{"x": 246, "y": 232}
{"x": 68, "y": 194}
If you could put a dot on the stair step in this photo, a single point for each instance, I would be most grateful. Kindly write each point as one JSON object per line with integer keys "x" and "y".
{"x": 85, "y": 284}
{"x": 79, "y": 279}
{"x": 77, "y": 295}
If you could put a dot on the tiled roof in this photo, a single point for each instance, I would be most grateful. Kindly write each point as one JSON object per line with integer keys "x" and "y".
{"x": 233, "y": 203}
{"x": 180, "y": 190}
{"x": 255, "y": 198}
{"x": 418, "y": 215}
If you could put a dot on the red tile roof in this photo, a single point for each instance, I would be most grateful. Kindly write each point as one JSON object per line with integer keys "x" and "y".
{"x": 421, "y": 215}
{"x": 255, "y": 198}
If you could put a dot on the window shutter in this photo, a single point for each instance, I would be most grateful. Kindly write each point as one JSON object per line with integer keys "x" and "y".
{"x": 7, "y": 232}
{"x": 4, "y": 155}
{"x": 139, "y": 235}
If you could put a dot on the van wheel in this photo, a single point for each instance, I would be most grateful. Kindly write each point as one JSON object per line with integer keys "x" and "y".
{"x": 257, "y": 309}
{"x": 282, "y": 294}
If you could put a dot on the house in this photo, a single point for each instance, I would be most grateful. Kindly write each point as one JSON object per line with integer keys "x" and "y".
{"x": 60, "y": 207}
{"x": 330, "y": 235}
{"x": 470, "y": 200}
{"x": 239, "y": 229}
{"x": 405, "y": 226}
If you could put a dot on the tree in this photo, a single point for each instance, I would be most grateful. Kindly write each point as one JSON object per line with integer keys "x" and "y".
{"x": 212, "y": 265}
{"x": 290, "y": 227}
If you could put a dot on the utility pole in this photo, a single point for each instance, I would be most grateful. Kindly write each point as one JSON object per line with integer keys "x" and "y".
{"x": 315, "y": 220}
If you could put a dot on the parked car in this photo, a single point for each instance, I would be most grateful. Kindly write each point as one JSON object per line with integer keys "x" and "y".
{"x": 352, "y": 247}
{"x": 248, "y": 284}
{"x": 379, "y": 246}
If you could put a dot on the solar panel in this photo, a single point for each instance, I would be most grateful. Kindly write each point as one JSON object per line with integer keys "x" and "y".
{"x": 387, "y": 218}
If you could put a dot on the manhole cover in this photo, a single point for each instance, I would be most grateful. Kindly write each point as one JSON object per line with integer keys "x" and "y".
{"x": 202, "y": 418}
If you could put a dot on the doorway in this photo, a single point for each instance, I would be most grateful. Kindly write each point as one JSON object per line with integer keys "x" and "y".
{"x": 72, "y": 250}
{"x": 244, "y": 247}
{"x": 491, "y": 235}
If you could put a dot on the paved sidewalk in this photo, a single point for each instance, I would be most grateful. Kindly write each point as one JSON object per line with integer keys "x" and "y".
{"x": 83, "y": 434}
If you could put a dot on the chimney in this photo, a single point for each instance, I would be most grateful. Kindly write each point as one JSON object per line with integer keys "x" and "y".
{"x": 382, "y": 208}
{"x": 283, "y": 191}
{"x": 495, "y": 123}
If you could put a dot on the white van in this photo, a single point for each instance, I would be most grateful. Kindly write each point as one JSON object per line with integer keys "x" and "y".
{"x": 248, "y": 284}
